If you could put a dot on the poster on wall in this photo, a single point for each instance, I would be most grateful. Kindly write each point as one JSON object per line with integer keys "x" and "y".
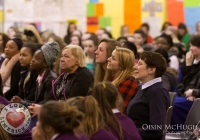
{"x": 52, "y": 12}
{"x": 19, "y": 10}
{"x": 153, "y": 13}
{"x": 154, "y": 23}
{"x": 191, "y": 14}
{"x": 76, "y": 10}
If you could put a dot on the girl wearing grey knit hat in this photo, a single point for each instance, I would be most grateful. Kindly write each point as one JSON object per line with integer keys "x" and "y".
{"x": 42, "y": 61}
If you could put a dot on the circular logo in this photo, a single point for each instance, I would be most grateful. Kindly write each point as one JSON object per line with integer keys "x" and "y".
{"x": 15, "y": 118}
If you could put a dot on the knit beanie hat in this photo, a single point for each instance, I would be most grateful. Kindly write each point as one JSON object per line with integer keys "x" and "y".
{"x": 50, "y": 51}
{"x": 18, "y": 42}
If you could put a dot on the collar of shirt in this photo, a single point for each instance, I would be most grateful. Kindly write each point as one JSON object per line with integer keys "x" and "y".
{"x": 196, "y": 61}
{"x": 54, "y": 136}
{"x": 147, "y": 84}
{"x": 115, "y": 110}
{"x": 40, "y": 77}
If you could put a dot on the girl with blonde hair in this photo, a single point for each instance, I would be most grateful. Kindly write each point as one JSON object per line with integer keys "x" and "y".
{"x": 93, "y": 124}
{"x": 121, "y": 65}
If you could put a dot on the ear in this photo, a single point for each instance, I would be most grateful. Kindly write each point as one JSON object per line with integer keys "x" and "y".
{"x": 48, "y": 129}
{"x": 151, "y": 71}
{"x": 45, "y": 64}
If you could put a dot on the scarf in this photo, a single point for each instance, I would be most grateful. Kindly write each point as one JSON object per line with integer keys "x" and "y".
{"x": 7, "y": 67}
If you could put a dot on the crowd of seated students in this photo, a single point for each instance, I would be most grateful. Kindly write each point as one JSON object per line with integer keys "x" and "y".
{"x": 89, "y": 86}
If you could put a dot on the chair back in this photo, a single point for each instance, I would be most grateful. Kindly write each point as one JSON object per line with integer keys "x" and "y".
{"x": 172, "y": 96}
{"x": 167, "y": 120}
{"x": 193, "y": 116}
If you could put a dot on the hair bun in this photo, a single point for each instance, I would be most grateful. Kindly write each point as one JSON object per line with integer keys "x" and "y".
{"x": 73, "y": 117}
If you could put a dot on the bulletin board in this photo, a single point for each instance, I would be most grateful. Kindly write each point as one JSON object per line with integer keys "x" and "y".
{"x": 46, "y": 14}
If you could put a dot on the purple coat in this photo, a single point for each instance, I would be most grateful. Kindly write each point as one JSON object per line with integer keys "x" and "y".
{"x": 129, "y": 129}
{"x": 103, "y": 135}
{"x": 3, "y": 101}
{"x": 71, "y": 136}
{"x": 24, "y": 136}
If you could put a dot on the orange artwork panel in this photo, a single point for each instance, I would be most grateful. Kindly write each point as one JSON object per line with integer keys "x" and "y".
{"x": 92, "y": 28}
{"x": 99, "y": 9}
{"x": 175, "y": 11}
{"x": 132, "y": 14}
{"x": 92, "y": 24}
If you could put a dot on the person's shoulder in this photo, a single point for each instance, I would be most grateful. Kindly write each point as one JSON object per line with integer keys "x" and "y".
{"x": 53, "y": 74}
{"x": 129, "y": 78}
{"x": 84, "y": 71}
{"x": 158, "y": 87}
{"x": 102, "y": 134}
{"x": 18, "y": 65}
{"x": 71, "y": 136}
{"x": 123, "y": 117}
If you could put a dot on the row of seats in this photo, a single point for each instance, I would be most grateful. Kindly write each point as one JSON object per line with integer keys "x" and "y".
{"x": 192, "y": 119}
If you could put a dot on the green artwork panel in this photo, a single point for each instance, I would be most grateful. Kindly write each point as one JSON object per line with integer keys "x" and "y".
{"x": 90, "y": 9}
{"x": 104, "y": 22}
{"x": 191, "y": 3}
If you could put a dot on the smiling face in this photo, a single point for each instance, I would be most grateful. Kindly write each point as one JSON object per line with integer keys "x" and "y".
{"x": 142, "y": 72}
{"x": 162, "y": 43}
{"x": 11, "y": 49}
{"x": 195, "y": 51}
{"x": 101, "y": 53}
{"x": 113, "y": 62}
{"x": 38, "y": 61}
{"x": 25, "y": 57}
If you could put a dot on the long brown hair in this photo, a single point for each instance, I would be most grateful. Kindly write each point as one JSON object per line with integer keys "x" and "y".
{"x": 5, "y": 39}
{"x": 106, "y": 95}
{"x": 126, "y": 61}
{"x": 1, "y": 86}
{"x": 101, "y": 74}
{"x": 93, "y": 119}
{"x": 62, "y": 117}
{"x": 3, "y": 134}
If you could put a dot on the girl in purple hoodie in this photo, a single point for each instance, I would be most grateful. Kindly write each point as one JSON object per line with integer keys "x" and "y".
{"x": 93, "y": 124}
{"x": 58, "y": 121}
{"x": 120, "y": 125}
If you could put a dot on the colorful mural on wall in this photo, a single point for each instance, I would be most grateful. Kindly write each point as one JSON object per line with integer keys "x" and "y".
{"x": 112, "y": 14}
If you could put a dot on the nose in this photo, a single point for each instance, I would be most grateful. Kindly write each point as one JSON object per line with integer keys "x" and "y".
{"x": 109, "y": 59}
{"x": 33, "y": 60}
{"x": 86, "y": 49}
{"x": 135, "y": 67}
{"x": 61, "y": 59}
{"x": 20, "y": 57}
{"x": 6, "y": 49}
{"x": 96, "y": 52}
